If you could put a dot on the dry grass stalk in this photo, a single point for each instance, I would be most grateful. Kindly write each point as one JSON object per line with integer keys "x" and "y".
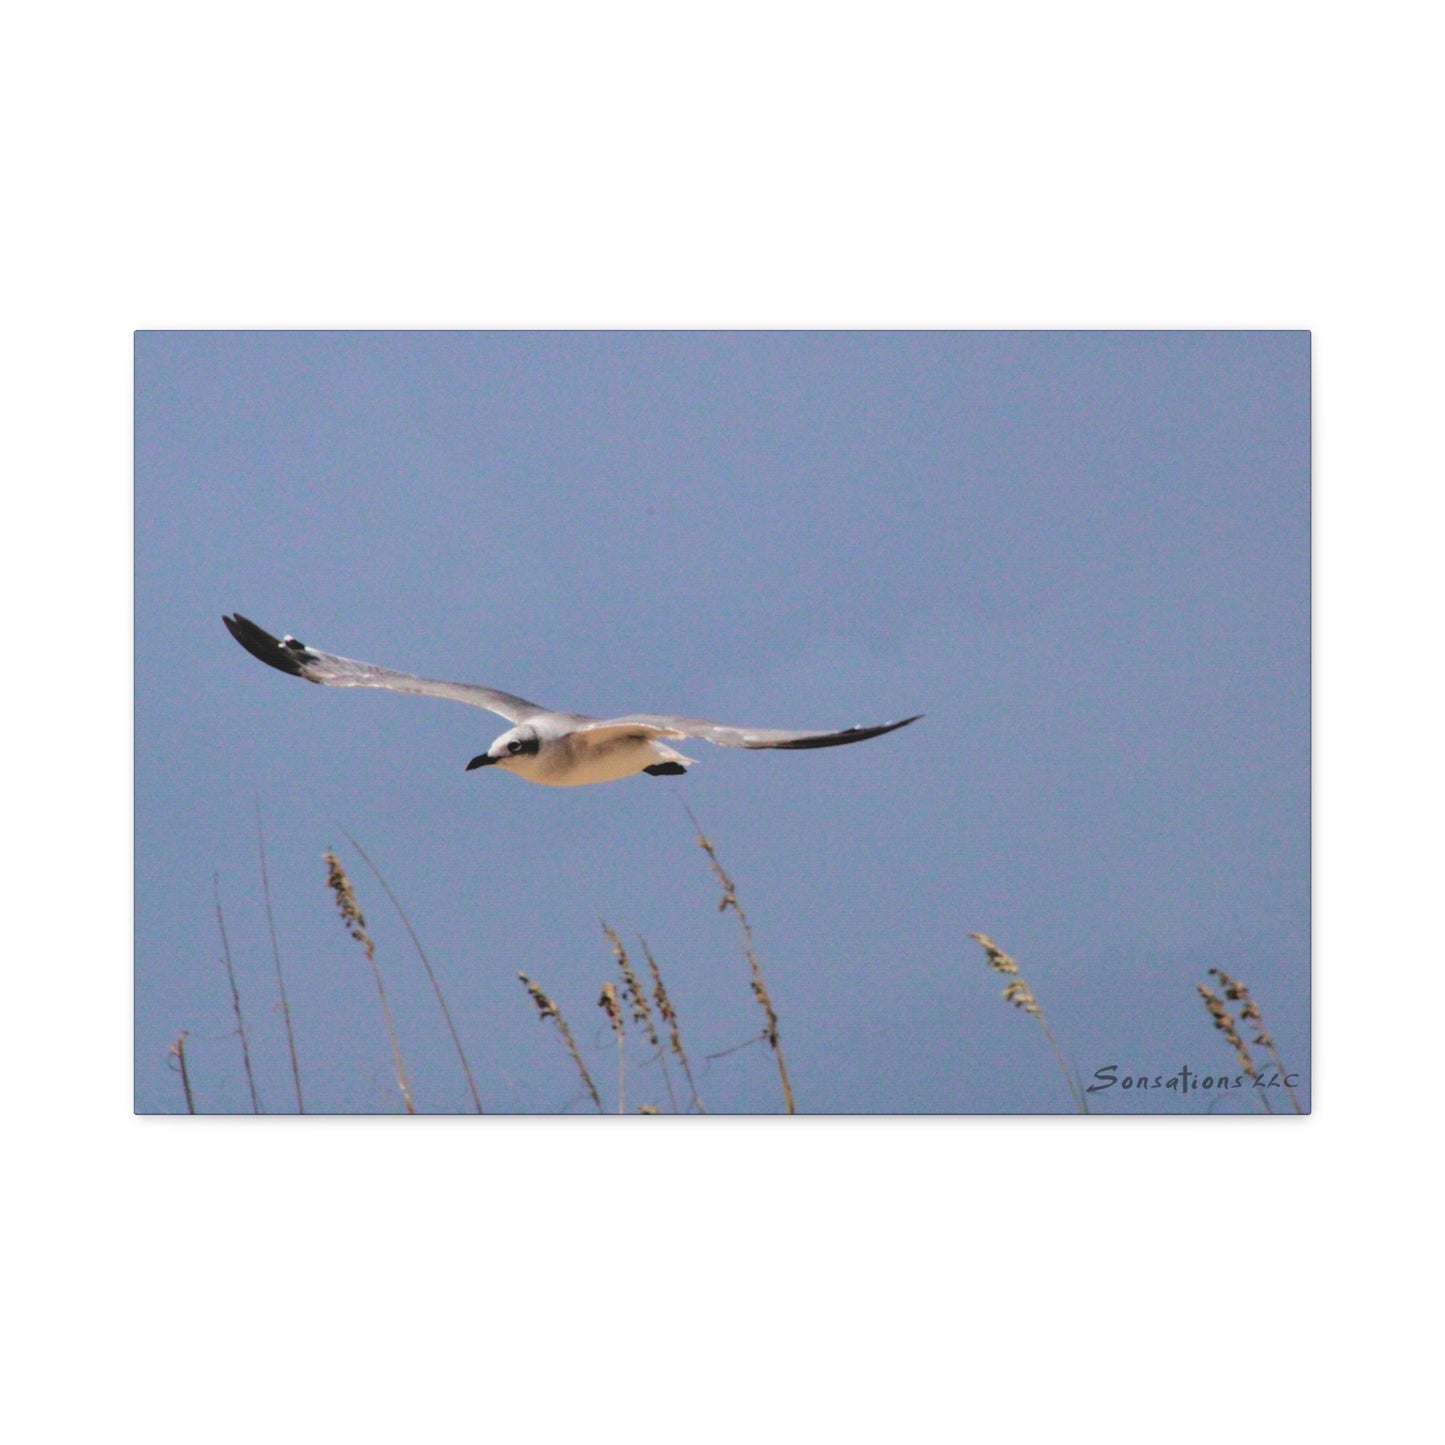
{"x": 235, "y": 998}
{"x": 1249, "y": 1013}
{"x": 426, "y": 964}
{"x": 178, "y": 1052}
{"x": 1021, "y": 996}
{"x": 669, "y": 1016}
{"x": 548, "y": 1010}
{"x": 611, "y": 1005}
{"x": 760, "y": 989}
{"x": 355, "y": 925}
{"x": 632, "y": 991}
{"x": 276, "y": 954}
{"x": 1224, "y": 1022}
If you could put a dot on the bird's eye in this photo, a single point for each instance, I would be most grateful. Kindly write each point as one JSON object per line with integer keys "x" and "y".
{"x": 514, "y": 746}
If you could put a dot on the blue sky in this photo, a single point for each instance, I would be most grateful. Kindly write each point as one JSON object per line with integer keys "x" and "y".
{"x": 1084, "y": 556}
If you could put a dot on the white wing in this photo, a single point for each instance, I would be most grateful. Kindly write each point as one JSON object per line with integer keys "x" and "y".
{"x": 663, "y": 725}
{"x": 289, "y": 655}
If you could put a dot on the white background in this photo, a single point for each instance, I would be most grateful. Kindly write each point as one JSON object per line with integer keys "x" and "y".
{"x": 1111, "y": 165}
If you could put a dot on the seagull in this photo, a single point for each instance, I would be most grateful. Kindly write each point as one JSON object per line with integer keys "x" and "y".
{"x": 561, "y": 749}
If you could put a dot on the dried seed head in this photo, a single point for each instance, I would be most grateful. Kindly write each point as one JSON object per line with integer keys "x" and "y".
{"x": 631, "y": 988}
{"x": 1224, "y": 1022}
{"x": 997, "y": 958}
{"x": 545, "y": 1007}
{"x": 1021, "y": 996}
{"x": 346, "y": 903}
{"x": 659, "y": 992}
{"x": 609, "y": 1004}
{"x": 548, "y": 1010}
{"x": 1249, "y": 1012}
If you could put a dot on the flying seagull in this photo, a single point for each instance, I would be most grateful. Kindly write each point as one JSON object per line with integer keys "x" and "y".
{"x": 563, "y": 749}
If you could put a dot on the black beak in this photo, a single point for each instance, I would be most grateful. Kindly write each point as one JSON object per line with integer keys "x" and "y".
{"x": 482, "y": 760}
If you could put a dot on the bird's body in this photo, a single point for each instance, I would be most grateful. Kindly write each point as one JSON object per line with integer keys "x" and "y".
{"x": 566, "y": 750}
{"x": 559, "y": 749}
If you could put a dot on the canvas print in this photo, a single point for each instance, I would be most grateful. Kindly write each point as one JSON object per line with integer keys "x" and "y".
{"x": 717, "y": 723}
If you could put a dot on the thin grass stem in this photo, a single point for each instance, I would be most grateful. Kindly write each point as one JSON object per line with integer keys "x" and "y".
{"x": 611, "y": 1005}
{"x": 632, "y": 992}
{"x": 235, "y": 998}
{"x": 1021, "y": 996}
{"x": 426, "y": 964}
{"x": 1249, "y": 1012}
{"x": 355, "y": 925}
{"x": 669, "y": 1014}
{"x": 178, "y": 1052}
{"x": 548, "y": 1010}
{"x": 276, "y": 954}
{"x": 760, "y": 989}
{"x": 1224, "y": 1022}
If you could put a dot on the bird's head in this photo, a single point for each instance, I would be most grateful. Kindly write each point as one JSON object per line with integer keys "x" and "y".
{"x": 521, "y": 742}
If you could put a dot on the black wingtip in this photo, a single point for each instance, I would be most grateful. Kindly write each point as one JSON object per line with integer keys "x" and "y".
{"x": 850, "y": 735}
{"x": 259, "y": 643}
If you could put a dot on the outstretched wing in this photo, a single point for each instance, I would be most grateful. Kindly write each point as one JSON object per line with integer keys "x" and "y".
{"x": 288, "y": 655}
{"x": 731, "y": 737}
